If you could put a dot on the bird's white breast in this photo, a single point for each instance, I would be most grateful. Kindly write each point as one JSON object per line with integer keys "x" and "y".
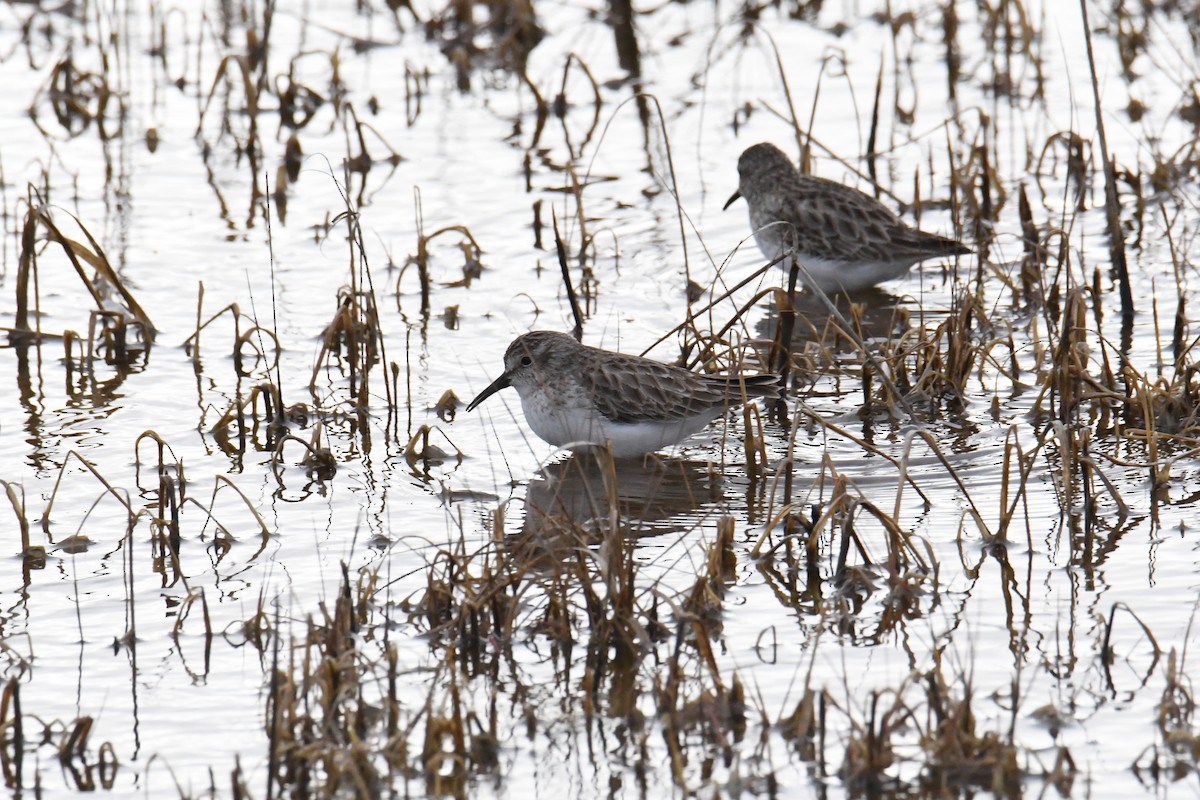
{"x": 565, "y": 416}
{"x": 849, "y": 276}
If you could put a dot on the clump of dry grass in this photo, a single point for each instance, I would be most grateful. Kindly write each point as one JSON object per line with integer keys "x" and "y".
{"x": 552, "y": 583}
{"x": 340, "y": 722}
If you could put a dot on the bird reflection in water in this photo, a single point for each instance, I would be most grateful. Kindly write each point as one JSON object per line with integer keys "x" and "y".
{"x": 871, "y": 313}
{"x": 583, "y": 499}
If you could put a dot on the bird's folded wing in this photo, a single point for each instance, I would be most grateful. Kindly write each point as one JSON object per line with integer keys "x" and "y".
{"x": 639, "y": 390}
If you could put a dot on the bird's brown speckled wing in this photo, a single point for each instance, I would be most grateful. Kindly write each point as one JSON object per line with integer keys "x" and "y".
{"x": 633, "y": 389}
{"x": 840, "y": 223}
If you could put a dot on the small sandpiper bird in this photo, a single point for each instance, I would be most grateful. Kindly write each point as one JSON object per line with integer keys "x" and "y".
{"x": 578, "y": 396}
{"x": 845, "y": 239}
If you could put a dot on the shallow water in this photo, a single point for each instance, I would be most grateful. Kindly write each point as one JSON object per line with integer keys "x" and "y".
{"x": 114, "y": 631}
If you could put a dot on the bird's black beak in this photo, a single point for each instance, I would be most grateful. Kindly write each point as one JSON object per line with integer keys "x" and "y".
{"x": 729, "y": 202}
{"x": 502, "y": 382}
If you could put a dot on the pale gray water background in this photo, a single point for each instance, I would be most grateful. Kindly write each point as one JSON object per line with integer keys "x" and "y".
{"x": 173, "y": 711}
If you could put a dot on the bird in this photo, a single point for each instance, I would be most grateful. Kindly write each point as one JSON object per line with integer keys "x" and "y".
{"x": 845, "y": 240}
{"x": 582, "y": 397}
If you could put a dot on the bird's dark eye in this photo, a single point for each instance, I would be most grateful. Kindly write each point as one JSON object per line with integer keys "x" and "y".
{"x": 526, "y": 361}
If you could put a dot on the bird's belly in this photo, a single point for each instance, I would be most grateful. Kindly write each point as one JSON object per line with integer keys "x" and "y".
{"x": 636, "y": 438}
{"x": 832, "y": 276}
{"x": 850, "y": 275}
{"x": 571, "y": 425}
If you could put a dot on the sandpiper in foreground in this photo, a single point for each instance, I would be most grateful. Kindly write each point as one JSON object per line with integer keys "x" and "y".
{"x": 845, "y": 239}
{"x": 578, "y": 396}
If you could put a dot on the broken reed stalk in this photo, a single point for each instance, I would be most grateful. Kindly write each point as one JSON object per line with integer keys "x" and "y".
{"x": 274, "y": 303}
{"x": 1024, "y": 465}
{"x": 872, "y": 156}
{"x": 1112, "y": 207}
{"x": 362, "y": 161}
{"x": 252, "y": 91}
{"x": 1178, "y": 351}
{"x": 120, "y": 496}
{"x": 1033, "y": 263}
{"x": 77, "y": 253}
{"x": 421, "y": 260}
{"x": 753, "y": 443}
{"x": 561, "y": 249}
{"x": 199, "y": 315}
{"x": 1107, "y": 657}
{"x": 274, "y": 413}
{"x": 419, "y": 450}
{"x": 185, "y": 611}
{"x": 218, "y": 481}
{"x": 170, "y": 491}
{"x": 18, "y": 507}
{"x": 130, "y": 586}
{"x": 953, "y": 56}
{"x": 254, "y": 337}
{"x": 541, "y": 110}
{"x": 232, "y": 308}
{"x": 787, "y": 325}
{"x": 319, "y": 460}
